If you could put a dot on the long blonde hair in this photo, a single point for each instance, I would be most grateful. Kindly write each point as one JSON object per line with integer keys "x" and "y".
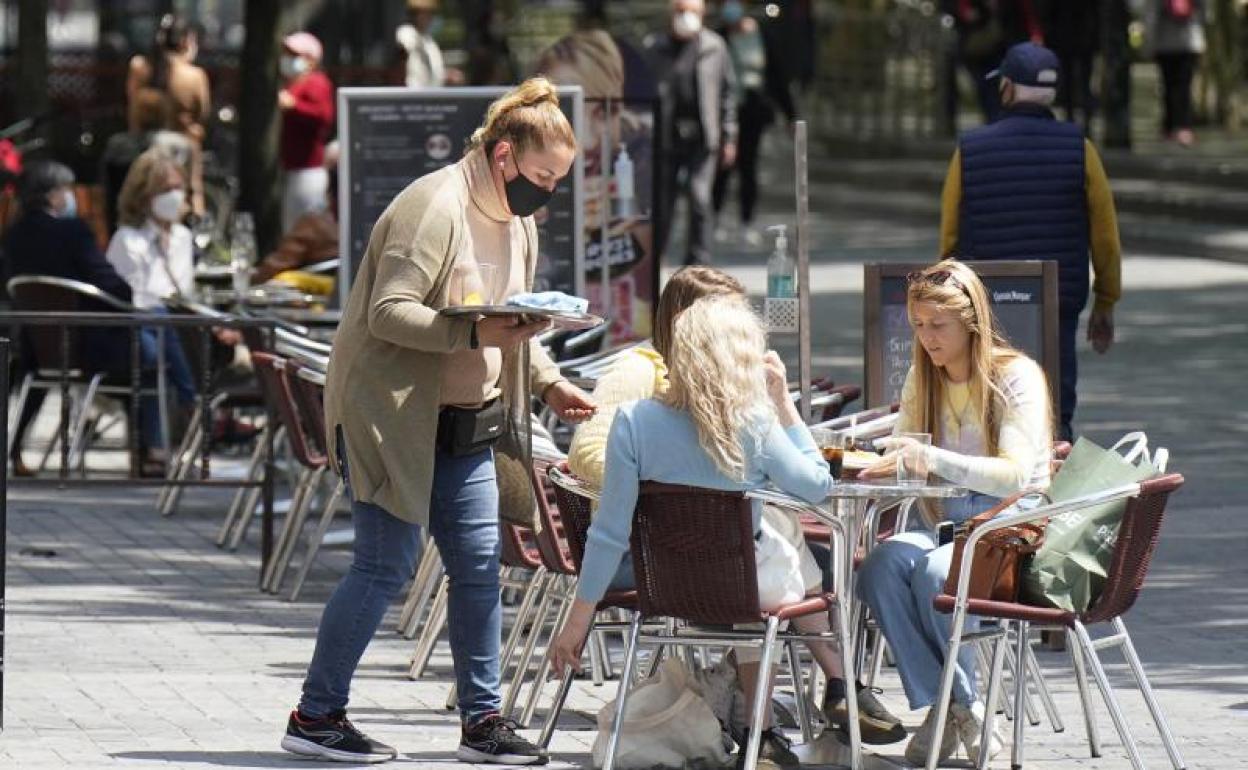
{"x": 527, "y": 116}
{"x": 145, "y": 178}
{"x": 953, "y": 286}
{"x": 716, "y": 375}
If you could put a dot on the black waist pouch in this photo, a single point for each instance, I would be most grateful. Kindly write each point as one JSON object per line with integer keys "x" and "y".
{"x": 468, "y": 431}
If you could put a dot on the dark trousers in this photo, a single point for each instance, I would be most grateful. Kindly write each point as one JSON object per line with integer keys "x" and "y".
{"x": 1068, "y": 334}
{"x": 690, "y": 166}
{"x": 753, "y": 118}
{"x": 1177, "y": 70}
{"x": 1074, "y": 90}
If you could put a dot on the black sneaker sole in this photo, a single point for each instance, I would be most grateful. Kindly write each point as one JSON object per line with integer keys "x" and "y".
{"x": 478, "y": 757}
{"x": 306, "y": 748}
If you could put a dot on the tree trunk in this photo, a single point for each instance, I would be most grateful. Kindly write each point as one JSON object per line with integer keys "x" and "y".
{"x": 1116, "y": 78}
{"x": 32, "y": 58}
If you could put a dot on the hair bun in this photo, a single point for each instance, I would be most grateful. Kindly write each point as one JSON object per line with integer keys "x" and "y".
{"x": 537, "y": 90}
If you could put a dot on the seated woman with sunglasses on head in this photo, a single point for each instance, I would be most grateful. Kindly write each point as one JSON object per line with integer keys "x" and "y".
{"x": 987, "y": 408}
{"x": 726, "y": 422}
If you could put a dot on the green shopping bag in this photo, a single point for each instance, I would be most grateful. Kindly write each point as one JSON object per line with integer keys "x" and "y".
{"x": 1069, "y": 570}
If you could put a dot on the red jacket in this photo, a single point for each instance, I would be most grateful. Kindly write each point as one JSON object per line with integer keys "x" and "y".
{"x": 307, "y": 126}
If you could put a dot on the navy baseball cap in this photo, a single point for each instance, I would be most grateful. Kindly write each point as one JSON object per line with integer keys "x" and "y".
{"x": 1028, "y": 64}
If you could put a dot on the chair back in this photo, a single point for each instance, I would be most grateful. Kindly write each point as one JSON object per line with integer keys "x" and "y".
{"x": 50, "y": 294}
{"x": 307, "y": 387}
{"x": 693, "y": 554}
{"x": 515, "y": 551}
{"x": 551, "y": 542}
{"x": 1133, "y": 551}
{"x": 575, "y": 510}
{"x": 275, "y": 385}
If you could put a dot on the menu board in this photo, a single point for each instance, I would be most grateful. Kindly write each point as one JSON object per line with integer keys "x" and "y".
{"x": 390, "y": 137}
{"x": 1024, "y": 301}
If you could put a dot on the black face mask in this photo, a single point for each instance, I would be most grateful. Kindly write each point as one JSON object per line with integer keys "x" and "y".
{"x": 524, "y": 197}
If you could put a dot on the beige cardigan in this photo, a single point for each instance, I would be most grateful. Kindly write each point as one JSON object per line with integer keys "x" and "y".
{"x": 385, "y": 372}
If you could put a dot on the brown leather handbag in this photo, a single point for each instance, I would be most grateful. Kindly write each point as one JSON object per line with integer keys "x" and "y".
{"x": 999, "y": 555}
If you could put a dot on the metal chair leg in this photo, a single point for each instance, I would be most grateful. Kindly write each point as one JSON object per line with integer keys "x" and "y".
{"x": 621, "y": 698}
{"x": 799, "y": 691}
{"x": 252, "y": 473}
{"x": 291, "y": 527}
{"x": 78, "y": 441}
{"x": 424, "y": 585}
{"x": 1029, "y": 707}
{"x": 526, "y": 656}
{"x": 19, "y": 403}
{"x": 994, "y": 689}
{"x": 292, "y": 543}
{"x": 165, "y": 501}
{"x": 1150, "y": 698}
{"x": 432, "y": 630}
{"x": 543, "y": 665}
{"x": 1042, "y": 687}
{"x": 1085, "y": 697}
{"x": 760, "y": 695}
{"x": 1020, "y": 696}
{"x": 1107, "y": 693}
{"x": 318, "y": 537}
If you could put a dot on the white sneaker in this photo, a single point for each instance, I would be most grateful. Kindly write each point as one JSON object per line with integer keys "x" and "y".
{"x": 921, "y": 742}
{"x": 969, "y": 723}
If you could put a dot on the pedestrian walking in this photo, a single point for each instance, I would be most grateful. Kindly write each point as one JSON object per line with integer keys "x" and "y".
{"x": 762, "y": 90}
{"x": 698, "y": 120}
{"x": 410, "y": 393}
{"x": 1072, "y": 29}
{"x": 424, "y": 65}
{"x": 307, "y": 104}
{"x": 1176, "y": 34}
{"x": 1031, "y": 187}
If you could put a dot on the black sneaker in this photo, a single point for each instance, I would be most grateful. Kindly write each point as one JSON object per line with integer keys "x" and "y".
{"x": 334, "y": 738}
{"x": 493, "y": 740}
{"x": 773, "y": 751}
{"x": 876, "y": 725}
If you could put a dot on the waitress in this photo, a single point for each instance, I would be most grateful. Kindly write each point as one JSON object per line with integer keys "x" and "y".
{"x": 408, "y": 390}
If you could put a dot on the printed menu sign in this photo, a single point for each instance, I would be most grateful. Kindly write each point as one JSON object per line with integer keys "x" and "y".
{"x": 390, "y": 137}
{"x": 1024, "y": 300}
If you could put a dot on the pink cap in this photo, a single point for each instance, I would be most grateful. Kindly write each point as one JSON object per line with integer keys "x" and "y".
{"x": 304, "y": 44}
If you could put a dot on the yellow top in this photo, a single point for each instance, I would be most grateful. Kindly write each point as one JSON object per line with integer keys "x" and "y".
{"x": 1102, "y": 224}
{"x": 637, "y": 375}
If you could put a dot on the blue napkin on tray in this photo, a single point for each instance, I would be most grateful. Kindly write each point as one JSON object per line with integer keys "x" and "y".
{"x": 550, "y": 300}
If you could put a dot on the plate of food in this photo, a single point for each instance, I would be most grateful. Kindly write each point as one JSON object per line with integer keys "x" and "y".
{"x": 857, "y": 459}
{"x": 561, "y": 319}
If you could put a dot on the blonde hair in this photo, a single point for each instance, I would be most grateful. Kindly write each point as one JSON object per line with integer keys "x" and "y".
{"x": 527, "y": 116}
{"x": 594, "y": 57}
{"x": 144, "y": 179}
{"x": 716, "y": 375}
{"x": 953, "y": 286}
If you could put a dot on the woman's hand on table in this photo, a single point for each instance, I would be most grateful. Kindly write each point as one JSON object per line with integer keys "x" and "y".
{"x": 897, "y": 447}
{"x": 565, "y": 650}
{"x": 572, "y": 404}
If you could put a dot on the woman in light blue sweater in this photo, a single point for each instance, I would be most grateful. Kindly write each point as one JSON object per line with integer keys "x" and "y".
{"x": 725, "y": 422}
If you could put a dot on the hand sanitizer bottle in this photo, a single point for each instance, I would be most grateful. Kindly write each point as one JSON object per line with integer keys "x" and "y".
{"x": 781, "y": 269}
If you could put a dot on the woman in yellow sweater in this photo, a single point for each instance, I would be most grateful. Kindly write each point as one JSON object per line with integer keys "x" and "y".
{"x": 641, "y": 373}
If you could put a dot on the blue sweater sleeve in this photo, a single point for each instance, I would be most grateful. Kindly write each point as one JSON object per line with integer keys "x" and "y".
{"x": 794, "y": 464}
{"x": 613, "y": 523}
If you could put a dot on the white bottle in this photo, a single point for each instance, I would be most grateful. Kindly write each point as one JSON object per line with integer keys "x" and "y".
{"x": 242, "y": 253}
{"x": 624, "y": 192}
{"x": 781, "y": 269}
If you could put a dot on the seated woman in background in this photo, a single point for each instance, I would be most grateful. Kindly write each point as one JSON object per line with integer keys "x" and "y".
{"x": 725, "y": 421}
{"x": 50, "y": 239}
{"x": 152, "y": 251}
{"x": 987, "y": 408}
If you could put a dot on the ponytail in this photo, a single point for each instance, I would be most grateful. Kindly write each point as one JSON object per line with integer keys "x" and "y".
{"x": 528, "y": 116}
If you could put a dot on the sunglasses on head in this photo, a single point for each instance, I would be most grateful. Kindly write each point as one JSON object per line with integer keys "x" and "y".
{"x": 937, "y": 278}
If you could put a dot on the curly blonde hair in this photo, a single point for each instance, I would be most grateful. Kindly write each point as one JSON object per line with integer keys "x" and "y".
{"x": 528, "y": 116}
{"x": 145, "y": 178}
{"x": 716, "y": 374}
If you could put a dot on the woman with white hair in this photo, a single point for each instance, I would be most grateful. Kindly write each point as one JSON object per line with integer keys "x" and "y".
{"x": 725, "y": 422}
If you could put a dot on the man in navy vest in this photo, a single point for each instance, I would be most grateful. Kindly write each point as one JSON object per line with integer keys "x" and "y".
{"x": 1031, "y": 187}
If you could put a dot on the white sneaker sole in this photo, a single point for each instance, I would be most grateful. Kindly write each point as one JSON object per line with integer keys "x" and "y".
{"x": 476, "y": 757}
{"x": 306, "y": 748}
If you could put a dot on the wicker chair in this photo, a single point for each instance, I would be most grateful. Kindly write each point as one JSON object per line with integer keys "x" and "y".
{"x": 693, "y": 557}
{"x": 1133, "y": 551}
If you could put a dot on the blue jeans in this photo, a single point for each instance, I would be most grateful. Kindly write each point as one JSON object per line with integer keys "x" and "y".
{"x": 463, "y": 519}
{"x": 177, "y": 372}
{"x": 898, "y": 581}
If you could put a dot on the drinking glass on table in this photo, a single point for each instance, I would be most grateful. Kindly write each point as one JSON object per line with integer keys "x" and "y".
{"x": 912, "y": 465}
{"x": 473, "y": 284}
{"x": 832, "y": 445}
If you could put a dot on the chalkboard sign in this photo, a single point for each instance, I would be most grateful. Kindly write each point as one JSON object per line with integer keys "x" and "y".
{"x": 390, "y": 137}
{"x": 1024, "y": 300}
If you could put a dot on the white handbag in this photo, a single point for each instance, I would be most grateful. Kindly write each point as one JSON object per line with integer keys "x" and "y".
{"x": 666, "y": 724}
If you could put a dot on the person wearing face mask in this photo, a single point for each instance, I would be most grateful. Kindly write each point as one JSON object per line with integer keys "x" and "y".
{"x": 307, "y": 104}
{"x": 152, "y": 252}
{"x": 408, "y": 389}
{"x": 698, "y": 119}
{"x": 170, "y": 73}
{"x": 424, "y": 65}
{"x": 49, "y": 239}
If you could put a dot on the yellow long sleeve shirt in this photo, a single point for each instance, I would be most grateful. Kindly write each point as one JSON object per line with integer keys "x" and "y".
{"x": 1102, "y": 225}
